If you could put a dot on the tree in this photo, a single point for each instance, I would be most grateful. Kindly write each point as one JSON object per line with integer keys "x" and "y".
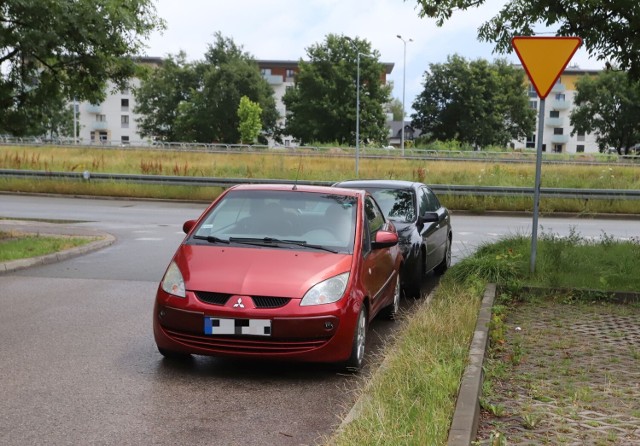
{"x": 395, "y": 108}
{"x": 609, "y": 105}
{"x": 474, "y": 102}
{"x": 53, "y": 50}
{"x": 322, "y": 105}
{"x": 249, "y": 115}
{"x": 609, "y": 29}
{"x": 198, "y": 101}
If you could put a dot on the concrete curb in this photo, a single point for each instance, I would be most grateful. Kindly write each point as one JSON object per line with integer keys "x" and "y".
{"x": 464, "y": 425}
{"x": 14, "y": 265}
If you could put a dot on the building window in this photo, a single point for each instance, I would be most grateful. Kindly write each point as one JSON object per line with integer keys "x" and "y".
{"x": 580, "y": 148}
{"x": 580, "y": 136}
{"x": 560, "y": 97}
{"x": 557, "y": 148}
{"x": 124, "y": 120}
{"x": 531, "y": 142}
{"x": 101, "y": 118}
{"x": 124, "y": 140}
{"x": 533, "y": 105}
{"x": 554, "y": 114}
{"x": 558, "y": 131}
{"x": 265, "y": 71}
{"x": 124, "y": 104}
{"x": 290, "y": 72}
{"x": 532, "y": 91}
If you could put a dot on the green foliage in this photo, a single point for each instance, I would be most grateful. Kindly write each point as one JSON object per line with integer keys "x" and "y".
{"x": 477, "y": 102}
{"x": 395, "y": 108}
{"x": 322, "y": 105}
{"x": 54, "y": 50}
{"x": 608, "y": 29}
{"x": 250, "y": 125}
{"x": 608, "y": 105}
{"x": 197, "y": 101}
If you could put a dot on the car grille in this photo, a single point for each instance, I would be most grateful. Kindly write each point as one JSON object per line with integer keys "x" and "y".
{"x": 259, "y": 301}
{"x": 231, "y": 344}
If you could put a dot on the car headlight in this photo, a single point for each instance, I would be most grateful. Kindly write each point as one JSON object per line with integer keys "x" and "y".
{"x": 172, "y": 282}
{"x": 326, "y": 292}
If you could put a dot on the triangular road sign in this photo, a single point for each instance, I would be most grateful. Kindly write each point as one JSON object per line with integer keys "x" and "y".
{"x": 544, "y": 58}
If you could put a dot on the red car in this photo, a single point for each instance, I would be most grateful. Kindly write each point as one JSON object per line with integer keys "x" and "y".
{"x": 280, "y": 272}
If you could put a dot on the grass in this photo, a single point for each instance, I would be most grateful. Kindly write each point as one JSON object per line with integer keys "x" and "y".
{"x": 14, "y": 246}
{"x": 332, "y": 165}
{"x": 411, "y": 399}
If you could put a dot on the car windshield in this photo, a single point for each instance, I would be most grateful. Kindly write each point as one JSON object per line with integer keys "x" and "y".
{"x": 283, "y": 219}
{"x": 397, "y": 204}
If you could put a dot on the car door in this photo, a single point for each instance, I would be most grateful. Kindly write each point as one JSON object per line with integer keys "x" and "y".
{"x": 434, "y": 233}
{"x": 378, "y": 265}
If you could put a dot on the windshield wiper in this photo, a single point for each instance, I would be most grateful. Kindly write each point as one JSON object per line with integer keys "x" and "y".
{"x": 275, "y": 241}
{"x": 211, "y": 239}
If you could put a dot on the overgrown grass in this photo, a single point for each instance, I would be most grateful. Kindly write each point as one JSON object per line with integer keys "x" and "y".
{"x": 309, "y": 166}
{"x": 14, "y": 246}
{"x": 411, "y": 400}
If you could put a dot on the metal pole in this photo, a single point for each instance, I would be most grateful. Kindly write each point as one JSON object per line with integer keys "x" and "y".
{"x": 75, "y": 123}
{"x": 404, "y": 81}
{"x": 358, "y": 114}
{"x": 536, "y": 192}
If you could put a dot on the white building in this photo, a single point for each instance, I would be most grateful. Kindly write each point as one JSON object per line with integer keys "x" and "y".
{"x": 112, "y": 121}
{"x": 557, "y": 131}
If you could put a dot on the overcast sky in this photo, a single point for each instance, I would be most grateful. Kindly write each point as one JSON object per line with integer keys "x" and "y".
{"x": 284, "y": 29}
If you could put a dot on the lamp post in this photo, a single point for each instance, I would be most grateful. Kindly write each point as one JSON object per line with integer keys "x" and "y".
{"x": 404, "y": 77}
{"x": 358, "y": 54}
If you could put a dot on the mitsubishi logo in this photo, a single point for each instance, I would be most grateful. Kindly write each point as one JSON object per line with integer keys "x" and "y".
{"x": 238, "y": 304}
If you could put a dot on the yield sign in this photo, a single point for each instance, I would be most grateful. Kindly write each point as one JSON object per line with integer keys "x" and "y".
{"x": 544, "y": 58}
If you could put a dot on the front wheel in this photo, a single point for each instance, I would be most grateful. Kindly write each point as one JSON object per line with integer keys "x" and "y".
{"x": 355, "y": 361}
{"x": 391, "y": 312}
{"x": 446, "y": 261}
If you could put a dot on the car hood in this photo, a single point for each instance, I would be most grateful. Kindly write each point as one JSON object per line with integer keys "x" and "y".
{"x": 257, "y": 271}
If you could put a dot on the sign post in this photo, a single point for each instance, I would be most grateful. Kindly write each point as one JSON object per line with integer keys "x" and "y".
{"x": 544, "y": 59}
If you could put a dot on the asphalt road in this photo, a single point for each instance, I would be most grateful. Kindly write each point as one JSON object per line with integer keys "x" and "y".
{"x": 79, "y": 365}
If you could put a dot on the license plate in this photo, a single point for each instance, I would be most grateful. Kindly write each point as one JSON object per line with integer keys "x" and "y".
{"x": 221, "y": 326}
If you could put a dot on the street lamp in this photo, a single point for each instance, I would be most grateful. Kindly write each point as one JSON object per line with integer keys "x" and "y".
{"x": 404, "y": 77}
{"x": 349, "y": 39}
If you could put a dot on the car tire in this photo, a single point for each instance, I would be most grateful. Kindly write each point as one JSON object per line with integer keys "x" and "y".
{"x": 392, "y": 311}
{"x": 446, "y": 261}
{"x": 175, "y": 356}
{"x": 355, "y": 361}
{"x": 413, "y": 286}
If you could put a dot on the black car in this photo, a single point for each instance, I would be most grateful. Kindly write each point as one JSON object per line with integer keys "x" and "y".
{"x": 423, "y": 225}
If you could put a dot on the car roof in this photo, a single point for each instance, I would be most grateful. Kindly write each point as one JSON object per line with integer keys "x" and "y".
{"x": 298, "y": 188}
{"x": 394, "y": 184}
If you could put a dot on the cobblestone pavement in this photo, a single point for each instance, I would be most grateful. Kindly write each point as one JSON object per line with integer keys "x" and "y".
{"x": 567, "y": 374}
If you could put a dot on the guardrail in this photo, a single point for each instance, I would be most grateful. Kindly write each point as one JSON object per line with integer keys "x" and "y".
{"x": 441, "y": 189}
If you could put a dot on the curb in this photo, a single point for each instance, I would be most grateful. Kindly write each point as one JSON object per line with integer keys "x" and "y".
{"x": 464, "y": 425}
{"x": 14, "y": 265}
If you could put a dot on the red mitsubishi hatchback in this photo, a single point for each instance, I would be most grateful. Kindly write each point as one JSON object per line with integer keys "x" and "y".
{"x": 280, "y": 272}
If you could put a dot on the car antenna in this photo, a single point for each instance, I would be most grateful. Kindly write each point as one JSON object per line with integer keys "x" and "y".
{"x": 295, "y": 184}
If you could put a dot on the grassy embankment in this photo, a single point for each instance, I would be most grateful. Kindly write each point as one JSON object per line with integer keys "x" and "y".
{"x": 333, "y": 165}
{"x": 411, "y": 401}
{"x": 14, "y": 246}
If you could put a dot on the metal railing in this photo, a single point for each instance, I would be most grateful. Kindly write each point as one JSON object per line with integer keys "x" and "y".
{"x": 441, "y": 189}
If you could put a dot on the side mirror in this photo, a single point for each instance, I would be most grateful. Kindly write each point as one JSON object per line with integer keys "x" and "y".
{"x": 427, "y": 217}
{"x": 385, "y": 239}
{"x": 188, "y": 226}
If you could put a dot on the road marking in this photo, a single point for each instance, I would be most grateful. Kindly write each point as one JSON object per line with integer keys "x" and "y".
{"x": 149, "y": 239}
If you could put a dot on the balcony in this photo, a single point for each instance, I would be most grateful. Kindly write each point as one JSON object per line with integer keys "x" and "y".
{"x": 554, "y": 122}
{"x": 559, "y": 139}
{"x": 558, "y": 88}
{"x": 273, "y": 79}
{"x": 93, "y": 108}
{"x": 99, "y": 125}
{"x": 559, "y": 104}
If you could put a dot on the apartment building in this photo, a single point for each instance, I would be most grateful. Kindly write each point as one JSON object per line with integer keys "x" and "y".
{"x": 557, "y": 133}
{"x": 113, "y": 121}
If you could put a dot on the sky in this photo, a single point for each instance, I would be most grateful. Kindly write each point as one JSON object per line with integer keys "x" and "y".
{"x": 284, "y": 29}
